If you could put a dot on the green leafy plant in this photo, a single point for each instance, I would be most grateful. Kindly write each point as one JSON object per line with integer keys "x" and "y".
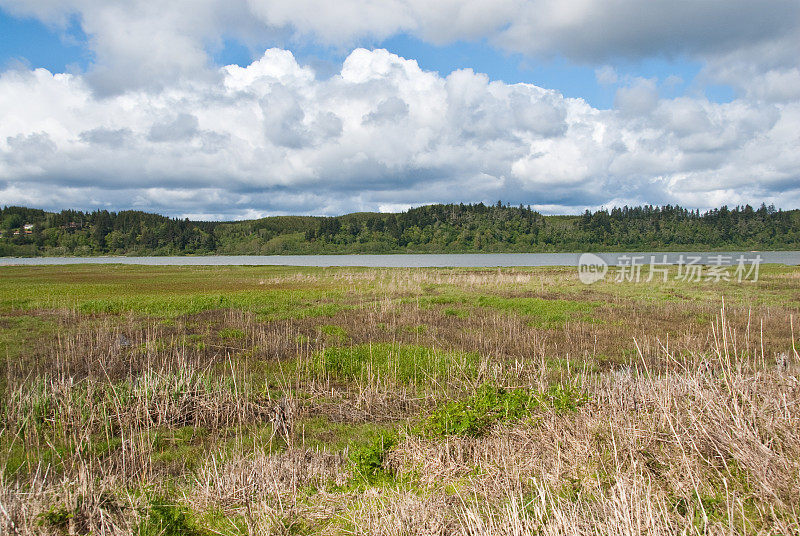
{"x": 168, "y": 519}
{"x": 231, "y": 333}
{"x": 369, "y": 460}
{"x": 474, "y": 415}
{"x": 407, "y": 364}
{"x": 56, "y": 517}
{"x": 336, "y": 333}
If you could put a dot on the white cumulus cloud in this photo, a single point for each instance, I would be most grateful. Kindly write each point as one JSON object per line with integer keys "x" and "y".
{"x": 148, "y": 44}
{"x": 273, "y": 138}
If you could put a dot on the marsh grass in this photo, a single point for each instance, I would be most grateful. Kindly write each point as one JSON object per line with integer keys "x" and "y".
{"x": 421, "y": 402}
{"x": 417, "y": 366}
{"x": 491, "y": 405}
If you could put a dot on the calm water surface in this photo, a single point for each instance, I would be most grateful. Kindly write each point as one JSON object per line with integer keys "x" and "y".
{"x": 473, "y": 260}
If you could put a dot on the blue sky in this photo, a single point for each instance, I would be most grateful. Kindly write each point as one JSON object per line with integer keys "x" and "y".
{"x": 39, "y": 45}
{"x": 362, "y": 105}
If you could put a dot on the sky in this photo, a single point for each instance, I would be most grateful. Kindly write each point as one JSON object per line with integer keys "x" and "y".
{"x": 240, "y": 109}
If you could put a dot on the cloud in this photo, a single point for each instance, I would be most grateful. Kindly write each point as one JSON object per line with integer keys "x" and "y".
{"x": 106, "y": 136}
{"x": 595, "y": 30}
{"x": 271, "y": 138}
{"x": 391, "y": 109}
{"x": 637, "y": 99}
{"x": 141, "y": 44}
{"x": 606, "y": 75}
{"x": 30, "y": 147}
{"x": 182, "y": 127}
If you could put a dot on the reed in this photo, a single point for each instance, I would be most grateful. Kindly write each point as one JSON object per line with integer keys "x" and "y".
{"x": 538, "y": 407}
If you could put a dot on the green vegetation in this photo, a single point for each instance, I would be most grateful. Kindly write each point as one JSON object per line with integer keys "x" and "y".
{"x": 369, "y": 461}
{"x": 169, "y": 292}
{"x": 18, "y": 332}
{"x": 538, "y": 311}
{"x": 405, "y": 364}
{"x": 490, "y": 405}
{"x": 428, "y": 229}
{"x": 231, "y": 333}
{"x": 257, "y": 400}
{"x": 336, "y": 333}
{"x": 168, "y": 519}
{"x": 321, "y": 433}
{"x": 451, "y": 311}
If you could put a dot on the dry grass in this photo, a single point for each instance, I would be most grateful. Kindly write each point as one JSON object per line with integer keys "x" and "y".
{"x": 222, "y": 422}
{"x": 684, "y": 452}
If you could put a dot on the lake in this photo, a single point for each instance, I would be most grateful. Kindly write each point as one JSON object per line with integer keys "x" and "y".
{"x": 466, "y": 260}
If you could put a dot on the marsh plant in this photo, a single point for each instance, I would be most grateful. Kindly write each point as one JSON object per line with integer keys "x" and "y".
{"x": 393, "y": 402}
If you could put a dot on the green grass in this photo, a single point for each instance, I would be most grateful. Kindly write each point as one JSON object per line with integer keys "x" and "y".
{"x": 335, "y": 333}
{"x": 540, "y": 312}
{"x": 194, "y": 341}
{"x": 368, "y": 460}
{"x": 319, "y": 432}
{"x": 404, "y": 364}
{"x": 231, "y": 333}
{"x": 268, "y": 304}
{"x": 186, "y": 445}
{"x": 18, "y": 459}
{"x": 490, "y": 405}
{"x": 20, "y": 332}
{"x": 168, "y": 291}
{"x": 166, "y": 518}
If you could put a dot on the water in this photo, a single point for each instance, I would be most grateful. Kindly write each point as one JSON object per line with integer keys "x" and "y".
{"x": 472, "y": 260}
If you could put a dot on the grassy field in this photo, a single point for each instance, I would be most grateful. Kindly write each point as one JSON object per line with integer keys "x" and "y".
{"x": 279, "y": 400}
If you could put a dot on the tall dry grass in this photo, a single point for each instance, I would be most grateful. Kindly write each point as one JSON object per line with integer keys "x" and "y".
{"x": 711, "y": 446}
{"x": 694, "y": 433}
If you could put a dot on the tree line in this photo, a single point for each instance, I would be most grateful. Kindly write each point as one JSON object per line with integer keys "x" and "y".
{"x": 445, "y": 228}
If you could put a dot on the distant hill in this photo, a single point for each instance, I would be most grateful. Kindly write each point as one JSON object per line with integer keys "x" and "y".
{"x": 428, "y": 229}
